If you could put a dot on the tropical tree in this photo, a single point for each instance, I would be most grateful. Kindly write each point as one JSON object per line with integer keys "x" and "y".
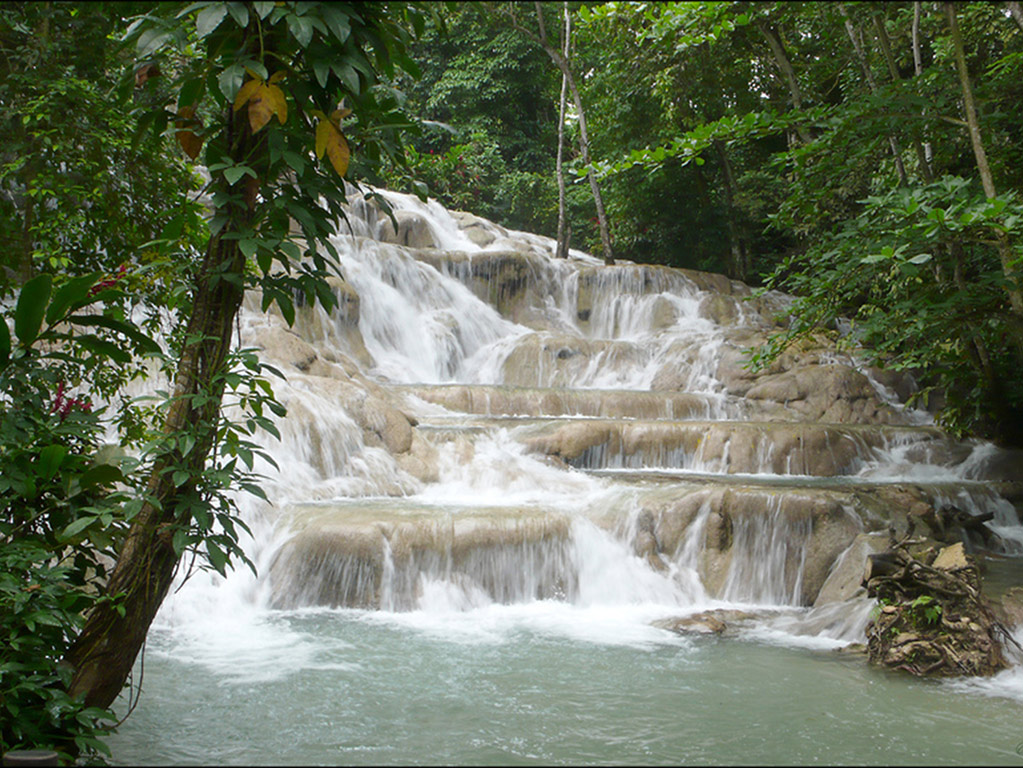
{"x": 281, "y": 103}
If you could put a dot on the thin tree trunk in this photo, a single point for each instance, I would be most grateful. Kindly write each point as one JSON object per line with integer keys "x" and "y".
{"x": 893, "y": 70}
{"x": 788, "y": 72}
{"x": 986, "y": 180}
{"x": 584, "y": 140}
{"x": 893, "y": 143}
{"x": 918, "y": 69}
{"x": 562, "y": 250}
{"x": 1017, "y": 13}
{"x": 736, "y": 238}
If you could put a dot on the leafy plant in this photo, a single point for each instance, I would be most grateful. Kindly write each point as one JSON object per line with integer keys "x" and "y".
{"x": 62, "y": 505}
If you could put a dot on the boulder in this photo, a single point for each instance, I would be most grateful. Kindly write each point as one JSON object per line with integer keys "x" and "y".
{"x": 413, "y": 230}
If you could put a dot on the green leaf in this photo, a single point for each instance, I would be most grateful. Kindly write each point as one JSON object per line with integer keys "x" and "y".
{"x": 173, "y": 229}
{"x": 236, "y": 172}
{"x": 321, "y": 69}
{"x": 239, "y": 13}
{"x": 147, "y": 344}
{"x": 77, "y": 526}
{"x": 248, "y": 247}
{"x": 287, "y": 308}
{"x": 50, "y": 458}
{"x": 218, "y": 559}
{"x": 263, "y": 8}
{"x": 301, "y": 28}
{"x": 337, "y": 22}
{"x": 103, "y": 348}
{"x": 73, "y": 291}
{"x": 5, "y": 341}
{"x": 179, "y": 541}
{"x": 28, "y": 316}
{"x": 230, "y": 80}
{"x": 101, "y": 474}
{"x": 209, "y": 19}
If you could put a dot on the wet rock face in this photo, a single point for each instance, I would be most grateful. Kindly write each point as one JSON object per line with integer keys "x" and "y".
{"x": 932, "y": 619}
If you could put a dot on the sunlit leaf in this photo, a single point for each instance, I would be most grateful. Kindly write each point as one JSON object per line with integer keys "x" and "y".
{"x": 246, "y": 92}
{"x": 329, "y": 140}
{"x": 209, "y": 19}
{"x": 267, "y": 101}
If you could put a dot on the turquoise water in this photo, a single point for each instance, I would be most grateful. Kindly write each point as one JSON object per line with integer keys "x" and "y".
{"x": 543, "y": 683}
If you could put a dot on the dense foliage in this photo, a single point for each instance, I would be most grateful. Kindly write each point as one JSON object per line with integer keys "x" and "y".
{"x": 822, "y": 148}
{"x": 106, "y": 248}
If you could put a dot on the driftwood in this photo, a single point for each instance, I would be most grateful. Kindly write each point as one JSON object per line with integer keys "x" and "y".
{"x": 932, "y": 618}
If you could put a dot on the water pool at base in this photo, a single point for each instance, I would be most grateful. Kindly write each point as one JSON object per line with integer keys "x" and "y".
{"x": 542, "y": 684}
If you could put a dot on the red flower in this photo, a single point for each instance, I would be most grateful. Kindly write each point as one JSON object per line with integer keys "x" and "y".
{"x": 110, "y": 282}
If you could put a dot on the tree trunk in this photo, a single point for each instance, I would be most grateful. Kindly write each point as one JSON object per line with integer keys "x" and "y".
{"x": 893, "y": 143}
{"x": 986, "y": 180}
{"x": 736, "y": 237}
{"x": 584, "y": 140}
{"x": 893, "y": 70}
{"x": 102, "y": 656}
{"x": 788, "y": 72}
{"x": 918, "y": 70}
{"x": 1017, "y": 13}
{"x": 562, "y": 250}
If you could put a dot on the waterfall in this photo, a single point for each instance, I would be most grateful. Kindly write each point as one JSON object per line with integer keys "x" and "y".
{"x": 481, "y": 425}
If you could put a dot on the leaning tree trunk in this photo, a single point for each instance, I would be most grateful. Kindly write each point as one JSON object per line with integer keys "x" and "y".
{"x": 584, "y": 139}
{"x": 893, "y": 71}
{"x": 893, "y": 143}
{"x": 782, "y": 60}
{"x": 1017, "y": 13}
{"x": 986, "y": 179}
{"x": 103, "y": 654}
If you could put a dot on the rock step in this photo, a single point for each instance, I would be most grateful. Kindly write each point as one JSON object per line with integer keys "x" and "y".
{"x": 1009, "y": 490}
{"x": 779, "y": 448}
{"x": 382, "y": 553}
{"x": 497, "y": 400}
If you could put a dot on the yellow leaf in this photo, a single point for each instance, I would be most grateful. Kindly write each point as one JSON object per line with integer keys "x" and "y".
{"x": 245, "y": 93}
{"x": 277, "y": 76}
{"x": 330, "y": 140}
{"x": 277, "y": 101}
{"x": 323, "y": 129}
{"x": 339, "y": 115}
{"x": 260, "y": 108}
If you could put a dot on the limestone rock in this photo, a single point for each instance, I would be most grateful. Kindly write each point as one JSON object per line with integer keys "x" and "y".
{"x": 413, "y": 230}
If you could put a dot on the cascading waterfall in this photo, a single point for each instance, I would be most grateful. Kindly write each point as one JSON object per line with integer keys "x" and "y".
{"x": 486, "y": 444}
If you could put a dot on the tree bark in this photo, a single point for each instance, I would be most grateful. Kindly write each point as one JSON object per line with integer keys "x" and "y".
{"x": 918, "y": 70}
{"x": 102, "y": 656}
{"x": 893, "y": 143}
{"x": 736, "y": 237}
{"x": 893, "y": 70}
{"x": 562, "y": 249}
{"x": 584, "y": 141}
{"x": 1017, "y": 13}
{"x": 782, "y": 59}
{"x": 986, "y": 179}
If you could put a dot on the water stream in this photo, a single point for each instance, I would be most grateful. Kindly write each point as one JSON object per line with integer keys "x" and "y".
{"x": 501, "y": 474}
